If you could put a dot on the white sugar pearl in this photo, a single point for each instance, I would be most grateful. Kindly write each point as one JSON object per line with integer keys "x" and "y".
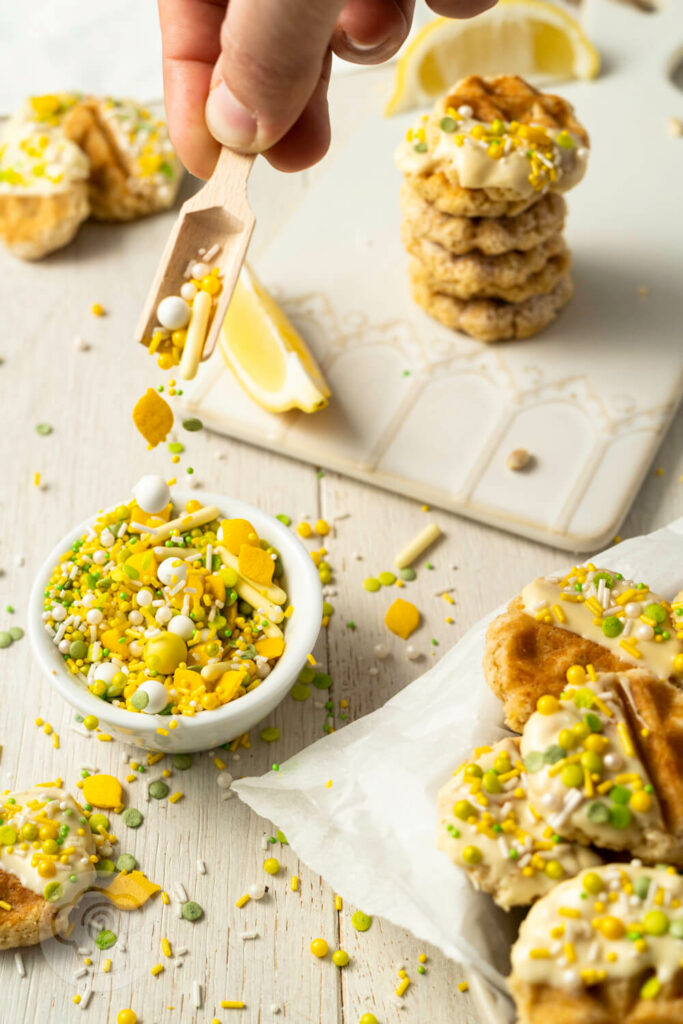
{"x": 257, "y": 891}
{"x": 173, "y": 313}
{"x": 135, "y": 617}
{"x": 613, "y": 762}
{"x": 105, "y": 672}
{"x": 552, "y": 801}
{"x": 642, "y": 631}
{"x": 188, "y": 291}
{"x": 263, "y": 670}
{"x": 373, "y": 671}
{"x": 633, "y": 609}
{"x": 64, "y": 646}
{"x": 135, "y": 648}
{"x": 158, "y": 696}
{"x": 99, "y": 557}
{"x": 200, "y": 270}
{"x": 381, "y": 651}
{"x": 107, "y": 538}
{"x": 412, "y": 652}
{"x": 172, "y": 571}
{"x": 152, "y": 494}
{"x": 94, "y": 616}
{"x": 224, "y": 780}
{"x": 144, "y": 598}
{"x": 182, "y": 626}
{"x": 163, "y": 615}
{"x": 58, "y": 612}
{"x": 465, "y": 110}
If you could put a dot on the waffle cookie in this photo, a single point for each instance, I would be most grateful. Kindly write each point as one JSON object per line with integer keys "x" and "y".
{"x": 590, "y": 616}
{"x": 40, "y": 882}
{"x": 588, "y": 777}
{"x": 488, "y": 829}
{"x": 133, "y": 168}
{"x": 491, "y": 320}
{"x": 602, "y": 947}
{"x": 489, "y": 235}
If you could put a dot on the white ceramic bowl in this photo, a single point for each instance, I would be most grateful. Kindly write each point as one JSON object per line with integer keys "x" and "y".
{"x": 210, "y": 728}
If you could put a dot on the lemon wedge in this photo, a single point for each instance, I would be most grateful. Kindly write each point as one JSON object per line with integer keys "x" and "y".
{"x": 516, "y": 37}
{"x": 266, "y": 354}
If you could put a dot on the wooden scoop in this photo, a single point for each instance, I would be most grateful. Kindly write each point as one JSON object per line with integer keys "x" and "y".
{"x": 219, "y": 214}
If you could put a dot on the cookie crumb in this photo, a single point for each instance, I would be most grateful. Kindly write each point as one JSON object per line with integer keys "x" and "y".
{"x": 518, "y": 459}
{"x": 674, "y": 127}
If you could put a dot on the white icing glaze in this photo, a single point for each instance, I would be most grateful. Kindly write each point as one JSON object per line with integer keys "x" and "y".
{"x": 23, "y": 857}
{"x": 145, "y": 140}
{"x": 516, "y": 846}
{"x": 584, "y": 612}
{"x": 39, "y": 162}
{"x": 564, "y": 941}
{"x": 551, "y": 742}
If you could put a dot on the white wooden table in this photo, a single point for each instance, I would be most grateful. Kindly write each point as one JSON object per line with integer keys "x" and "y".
{"x": 92, "y": 458}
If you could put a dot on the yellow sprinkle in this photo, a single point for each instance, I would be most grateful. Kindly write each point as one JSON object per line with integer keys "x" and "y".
{"x": 592, "y": 674}
{"x": 157, "y": 969}
{"x": 569, "y": 952}
{"x": 36, "y": 479}
{"x": 55, "y": 741}
{"x": 602, "y": 706}
{"x": 559, "y": 613}
{"x": 104, "y": 737}
{"x": 162, "y": 732}
{"x": 463, "y": 986}
{"x": 175, "y": 797}
{"x": 422, "y": 958}
{"x": 328, "y": 784}
{"x": 568, "y": 912}
{"x": 311, "y": 660}
{"x": 627, "y": 596}
{"x": 232, "y": 1004}
{"x": 574, "y": 598}
{"x": 447, "y": 597}
{"x": 294, "y": 883}
{"x": 338, "y": 903}
{"x": 154, "y": 758}
{"x": 539, "y": 954}
{"x": 76, "y": 999}
{"x": 5, "y": 905}
{"x": 626, "y": 741}
{"x": 243, "y": 900}
{"x": 106, "y": 966}
{"x": 166, "y": 947}
{"x": 97, "y": 309}
{"x": 219, "y": 764}
{"x": 131, "y": 778}
{"x": 402, "y": 986}
{"x": 593, "y": 605}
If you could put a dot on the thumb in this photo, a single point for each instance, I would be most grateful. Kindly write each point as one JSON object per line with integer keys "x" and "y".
{"x": 271, "y": 61}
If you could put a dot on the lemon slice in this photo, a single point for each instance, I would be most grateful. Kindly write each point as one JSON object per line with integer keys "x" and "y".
{"x": 516, "y": 37}
{"x": 269, "y": 359}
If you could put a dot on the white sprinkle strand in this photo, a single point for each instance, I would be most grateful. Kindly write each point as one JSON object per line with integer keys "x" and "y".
{"x": 19, "y": 964}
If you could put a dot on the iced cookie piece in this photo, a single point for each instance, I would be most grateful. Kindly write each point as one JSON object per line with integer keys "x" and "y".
{"x": 603, "y": 947}
{"x": 47, "y": 855}
{"x": 589, "y": 616}
{"x": 586, "y": 774}
{"x": 490, "y": 829}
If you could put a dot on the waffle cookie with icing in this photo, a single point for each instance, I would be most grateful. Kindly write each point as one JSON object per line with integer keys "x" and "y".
{"x": 43, "y": 179}
{"x": 489, "y": 828}
{"x": 490, "y": 320}
{"x": 489, "y": 235}
{"x": 133, "y": 167}
{"x": 587, "y": 772}
{"x": 47, "y": 855}
{"x": 589, "y": 616}
{"x": 603, "y": 947}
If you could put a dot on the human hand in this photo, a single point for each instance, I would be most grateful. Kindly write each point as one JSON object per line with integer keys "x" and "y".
{"x": 261, "y": 69}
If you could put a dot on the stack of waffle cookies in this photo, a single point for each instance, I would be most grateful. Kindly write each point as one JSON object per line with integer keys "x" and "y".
{"x": 483, "y": 213}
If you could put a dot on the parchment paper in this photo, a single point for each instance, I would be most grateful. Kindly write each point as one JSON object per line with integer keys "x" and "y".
{"x": 386, "y": 770}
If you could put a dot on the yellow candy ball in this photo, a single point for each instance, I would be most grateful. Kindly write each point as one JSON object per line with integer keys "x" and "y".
{"x": 271, "y": 865}
{"x": 29, "y": 831}
{"x": 547, "y": 705}
{"x": 50, "y": 846}
{"x": 340, "y": 958}
{"x": 319, "y": 948}
{"x": 678, "y": 663}
{"x": 576, "y": 675}
{"x": 91, "y": 722}
{"x": 126, "y": 1017}
{"x": 163, "y": 653}
{"x": 640, "y": 801}
{"x": 554, "y": 870}
{"x": 593, "y": 883}
{"x": 46, "y": 869}
{"x": 567, "y": 739}
{"x": 596, "y": 742}
{"x": 612, "y": 928}
{"x": 49, "y": 830}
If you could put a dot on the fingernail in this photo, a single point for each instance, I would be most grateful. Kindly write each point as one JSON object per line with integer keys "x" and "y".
{"x": 228, "y": 120}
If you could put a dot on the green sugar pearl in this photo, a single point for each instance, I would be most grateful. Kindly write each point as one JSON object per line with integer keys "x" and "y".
{"x": 181, "y": 762}
{"x": 408, "y": 574}
{"x": 598, "y": 813}
{"x": 105, "y": 939}
{"x": 158, "y": 790}
{"x": 360, "y": 921}
{"x": 371, "y": 584}
{"x": 126, "y": 862}
{"x": 612, "y": 626}
{"x": 132, "y": 817}
{"x": 192, "y": 911}
{"x": 448, "y": 124}
{"x": 192, "y": 424}
{"x": 270, "y": 733}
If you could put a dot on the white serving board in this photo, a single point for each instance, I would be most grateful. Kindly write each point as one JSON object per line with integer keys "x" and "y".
{"x": 432, "y": 414}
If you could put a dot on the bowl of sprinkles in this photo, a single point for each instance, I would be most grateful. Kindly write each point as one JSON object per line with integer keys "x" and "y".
{"x": 175, "y": 621}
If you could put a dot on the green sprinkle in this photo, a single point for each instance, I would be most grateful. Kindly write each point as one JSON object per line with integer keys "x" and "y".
{"x": 371, "y": 584}
{"x": 598, "y": 813}
{"x": 192, "y": 424}
{"x": 158, "y": 790}
{"x": 176, "y": 448}
{"x": 192, "y": 911}
{"x": 43, "y": 429}
{"x": 351, "y": 624}
{"x": 420, "y": 969}
{"x": 132, "y": 817}
{"x": 300, "y": 692}
{"x": 5, "y": 638}
{"x": 360, "y": 921}
{"x": 408, "y": 574}
{"x": 126, "y": 862}
{"x": 189, "y": 470}
{"x": 320, "y": 474}
{"x": 270, "y": 734}
{"x": 77, "y": 649}
{"x": 641, "y": 886}
{"x": 307, "y": 675}
{"x": 328, "y": 609}
{"x": 275, "y": 767}
{"x": 553, "y": 753}
{"x": 534, "y": 761}
{"x": 387, "y": 579}
{"x": 620, "y": 817}
{"x": 406, "y": 373}
{"x": 435, "y": 643}
{"x": 620, "y": 794}
{"x": 105, "y": 939}
{"x": 448, "y": 124}
{"x": 612, "y": 626}
{"x": 16, "y": 632}
{"x": 322, "y": 681}
{"x": 9, "y": 608}
{"x": 429, "y": 565}
{"x": 181, "y": 762}
{"x": 140, "y": 700}
{"x": 420, "y": 147}
{"x": 284, "y": 518}
{"x": 281, "y": 837}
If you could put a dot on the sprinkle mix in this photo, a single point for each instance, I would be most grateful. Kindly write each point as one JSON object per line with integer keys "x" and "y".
{"x": 167, "y": 615}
